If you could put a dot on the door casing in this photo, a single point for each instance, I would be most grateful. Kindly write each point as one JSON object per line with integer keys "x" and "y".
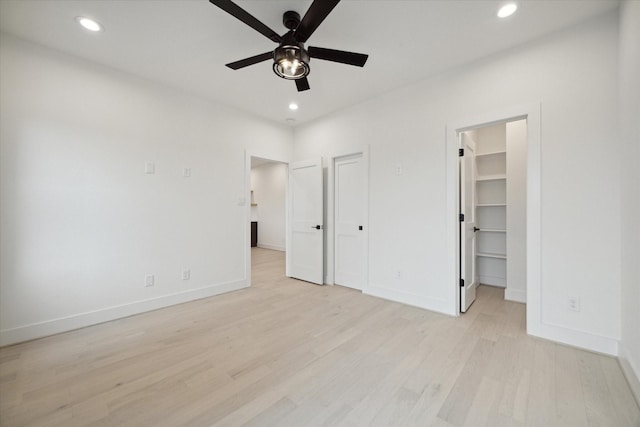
{"x": 532, "y": 113}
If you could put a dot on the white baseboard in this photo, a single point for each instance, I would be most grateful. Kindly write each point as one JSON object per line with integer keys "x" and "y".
{"x": 81, "y": 320}
{"x": 493, "y": 281}
{"x": 631, "y": 373}
{"x": 575, "y": 338}
{"x": 516, "y": 295}
{"x": 272, "y": 247}
{"x": 428, "y": 303}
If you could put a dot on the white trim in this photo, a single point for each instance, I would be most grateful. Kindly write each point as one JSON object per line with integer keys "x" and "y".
{"x": 631, "y": 373}
{"x": 272, "y": 247}
{"x": 76, "y": 321}
{"x": 517, "y": 295}
{"x": 330, "y": 219}
{"x": 575, "y": 338}
{"x": 498, "y": 282}
{"x": 439, "y": 305}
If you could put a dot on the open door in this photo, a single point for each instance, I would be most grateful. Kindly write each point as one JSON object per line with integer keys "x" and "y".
{"x": 305, "y": 254}
{"x": 468, "y": 280}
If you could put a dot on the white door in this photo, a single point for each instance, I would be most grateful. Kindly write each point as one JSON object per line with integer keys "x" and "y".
{"x": 305, "y": 253}
{"x": 468, "y": 282}
{"x": 349, "y": 221}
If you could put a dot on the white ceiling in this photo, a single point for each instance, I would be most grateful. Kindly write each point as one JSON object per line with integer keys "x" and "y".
{"x": 185, "y": 43}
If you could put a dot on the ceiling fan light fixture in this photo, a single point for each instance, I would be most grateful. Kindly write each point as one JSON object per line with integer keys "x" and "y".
{"x": 291, "y": 62}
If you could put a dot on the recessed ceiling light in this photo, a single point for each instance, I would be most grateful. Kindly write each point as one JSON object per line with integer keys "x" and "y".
{"x": 293, "y": 106}
{"x": 507, "y": 10}
{"x": 89, "y": 24}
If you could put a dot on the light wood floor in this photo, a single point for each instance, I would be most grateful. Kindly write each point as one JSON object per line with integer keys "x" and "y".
{"x": 288, "y": 353}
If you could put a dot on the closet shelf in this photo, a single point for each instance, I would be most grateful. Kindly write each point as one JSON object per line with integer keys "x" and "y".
{"x": 491, "y": 153}
{"x": 491, "y": 177}
{"x": 491, "y": 255}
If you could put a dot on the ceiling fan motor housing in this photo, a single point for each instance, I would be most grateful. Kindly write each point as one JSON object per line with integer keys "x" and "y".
{"x": 291, "y": 20}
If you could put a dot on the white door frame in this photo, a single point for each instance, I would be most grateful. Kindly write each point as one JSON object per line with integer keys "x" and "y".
{"x": 330, "y": 217}
{"x": 247, "y": 203}
{"x": 532, "y": 113}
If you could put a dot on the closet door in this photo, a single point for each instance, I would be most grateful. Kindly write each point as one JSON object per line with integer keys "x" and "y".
{"x": 305, "y": 257}
{"x": 467, "y": 225}
{"x": 349, "y": 220}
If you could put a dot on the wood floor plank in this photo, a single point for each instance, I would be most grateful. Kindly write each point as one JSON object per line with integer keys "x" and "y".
{"x": 625, "y": 406}
{"x": 541, "y": 408}
{"x": 570, "y": 404}
{"x": 289, "y": 353}
{"x": 598, "y": 399}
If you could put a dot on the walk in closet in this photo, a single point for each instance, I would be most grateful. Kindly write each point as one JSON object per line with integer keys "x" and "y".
{"x": 500, "y": 206}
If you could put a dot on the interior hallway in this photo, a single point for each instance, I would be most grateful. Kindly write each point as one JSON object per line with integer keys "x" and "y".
{"x": 289, "y": 353}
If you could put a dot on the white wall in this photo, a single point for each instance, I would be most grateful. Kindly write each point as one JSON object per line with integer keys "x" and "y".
{"x": 82, "y": 224}
{"x": 630, "y": 153}
{"x": 573, "y": 75}
{"x": 269, "y": 185}
{"x": 490, "y": 138}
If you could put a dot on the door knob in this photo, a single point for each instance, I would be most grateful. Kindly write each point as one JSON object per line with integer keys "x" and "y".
{"x": 475, "y": 229}
{"x": 317, "y": 227}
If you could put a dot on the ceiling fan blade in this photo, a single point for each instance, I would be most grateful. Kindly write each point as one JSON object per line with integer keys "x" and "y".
{"x": 302, "y": 84}
{"x": 250, "y": 61}
{"x": 244, "y": 16}
{"x": 351, "y": 58}
{"x": 317, "y": 12}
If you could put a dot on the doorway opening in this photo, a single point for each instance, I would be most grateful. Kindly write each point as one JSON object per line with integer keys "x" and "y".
{"x": 492, "y": 197}
{"x": 267, "y": 204}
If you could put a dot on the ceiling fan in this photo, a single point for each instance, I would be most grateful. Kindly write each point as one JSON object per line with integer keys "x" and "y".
{"x": 290, "y": 58}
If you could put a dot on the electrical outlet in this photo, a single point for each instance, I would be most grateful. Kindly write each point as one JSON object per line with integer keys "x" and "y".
{"x": 186, "y": 172}
{"x": 149, "y": 280}
{"x": 398, "y": 274}
{"x": 573, "y": 303}
{"x": 186, "y": 274}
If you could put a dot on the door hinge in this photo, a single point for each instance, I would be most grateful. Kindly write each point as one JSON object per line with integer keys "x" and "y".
{"x": 461, "y": 217}
{"x": 460, "y": 152}
{"x": 462, "y": 283}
